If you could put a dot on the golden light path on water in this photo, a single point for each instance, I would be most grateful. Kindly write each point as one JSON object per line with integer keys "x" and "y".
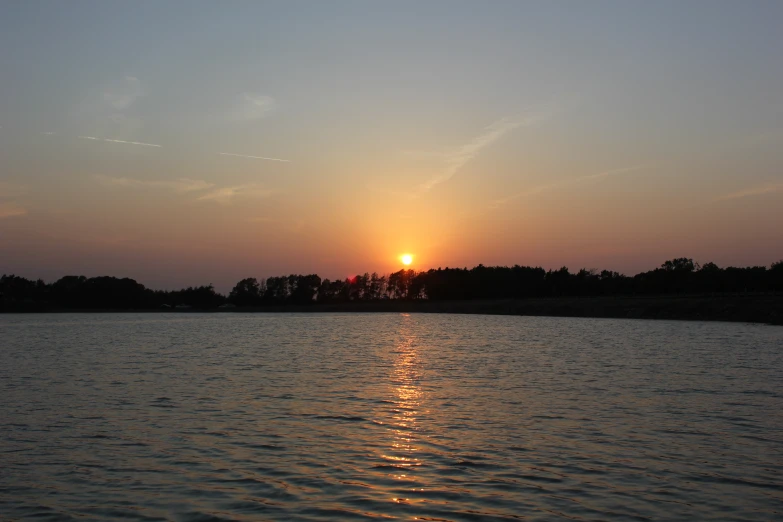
{"x": 407, "y": 397}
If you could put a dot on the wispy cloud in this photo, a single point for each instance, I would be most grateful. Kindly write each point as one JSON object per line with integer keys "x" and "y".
{"x": 253, "y": 157}
{"x": 226, "y": 195}
{"x": 565, "y": 183}
{"x": 133, "y": 143}
{"x": 252, "y": 106}
{"x": 120, "y": 141}
{"x": 752, "y": 191}
{"x": 607, "y": 173}
{"x": 222, "y": 195}
{"x": 291, "y": 225}
{"x": 527, "y": 193}
{"x": 11, "y": 209}
{"x": 9, "y": 192}
{"x": 47, "y": 133}
{"x": 122, "y": 95}
{"x": 457, "y": 158}
{"x": 111, "y": 109}
{"x": 181, "y": 185}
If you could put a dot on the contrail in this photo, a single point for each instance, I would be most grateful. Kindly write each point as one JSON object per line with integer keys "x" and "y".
{"x": 253, "y": 157}
{"x": 120, "y": 141}
{"x": 133, "y": 143}
{"x": 752, "y": 191}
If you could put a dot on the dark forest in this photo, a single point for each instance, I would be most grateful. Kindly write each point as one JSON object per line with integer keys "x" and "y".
{"x": 681, "y": 276}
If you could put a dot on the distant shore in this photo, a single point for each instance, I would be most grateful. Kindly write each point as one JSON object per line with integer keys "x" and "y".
{"x": 753, "y": 308}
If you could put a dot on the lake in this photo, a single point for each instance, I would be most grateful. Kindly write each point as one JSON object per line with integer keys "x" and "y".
{"x": 207, "y": 417}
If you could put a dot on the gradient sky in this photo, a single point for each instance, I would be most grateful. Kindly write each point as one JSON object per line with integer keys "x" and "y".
{"x": 184, "y": 143}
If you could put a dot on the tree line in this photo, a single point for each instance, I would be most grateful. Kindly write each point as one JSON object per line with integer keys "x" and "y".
{"x": 681, "y": 276}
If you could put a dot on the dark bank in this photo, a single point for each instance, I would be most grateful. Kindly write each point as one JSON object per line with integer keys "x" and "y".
{"x": 678, "y": 289}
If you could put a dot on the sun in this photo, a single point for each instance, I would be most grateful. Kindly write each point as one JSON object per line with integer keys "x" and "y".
{"x": 406, "y": 259}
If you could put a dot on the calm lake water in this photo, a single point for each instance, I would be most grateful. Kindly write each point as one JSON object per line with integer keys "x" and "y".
{"x": 431, "y": 417}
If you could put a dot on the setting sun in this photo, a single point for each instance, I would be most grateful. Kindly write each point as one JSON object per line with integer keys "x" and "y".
{"x": 406, "y": 259}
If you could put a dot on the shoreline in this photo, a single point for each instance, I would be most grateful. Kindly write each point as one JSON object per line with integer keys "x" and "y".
{"x": 751, "y": 309}
{"x": 754, "y": 308}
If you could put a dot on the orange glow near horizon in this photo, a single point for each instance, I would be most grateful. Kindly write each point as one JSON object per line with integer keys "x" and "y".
{"x": 406, "y": 259}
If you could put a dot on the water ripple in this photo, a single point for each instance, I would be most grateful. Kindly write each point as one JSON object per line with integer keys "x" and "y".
{"x": 374, "y": 417}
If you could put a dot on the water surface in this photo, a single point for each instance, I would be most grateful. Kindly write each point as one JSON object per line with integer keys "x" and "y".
{"x": 360, "y": 417}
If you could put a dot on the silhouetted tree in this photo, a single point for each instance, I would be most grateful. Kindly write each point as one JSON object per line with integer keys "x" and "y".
{"x": 776, "y": 276}
{"x": 197, "y": 297}
{"x": 681, "y": 264}
{"x": 676, "y": 276}
{"x": 247, "y": 292}
{"x": 276, "y": 290}
{"x": 305, "y": 289}
{"x": 375, "y": 289}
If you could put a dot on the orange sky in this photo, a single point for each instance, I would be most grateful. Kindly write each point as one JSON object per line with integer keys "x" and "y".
{"x": 333, "y": 140}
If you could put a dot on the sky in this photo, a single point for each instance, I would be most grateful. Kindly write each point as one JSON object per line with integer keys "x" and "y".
{"x": 187, "y": 143}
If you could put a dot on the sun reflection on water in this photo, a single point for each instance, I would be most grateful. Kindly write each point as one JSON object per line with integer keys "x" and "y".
{"x": 407, "y": 396}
